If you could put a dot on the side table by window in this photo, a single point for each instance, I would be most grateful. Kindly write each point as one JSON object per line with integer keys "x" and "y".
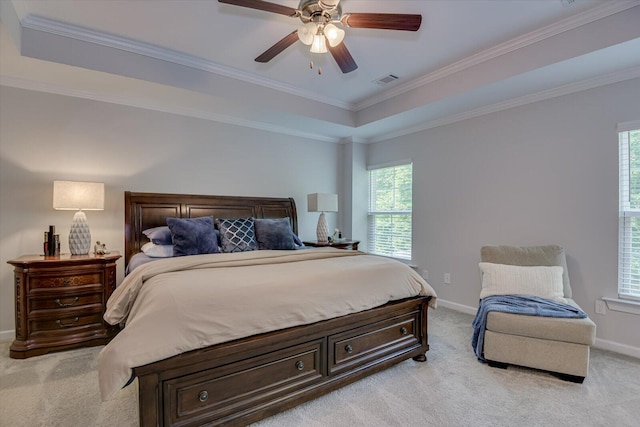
{"x": 341, "y": 244}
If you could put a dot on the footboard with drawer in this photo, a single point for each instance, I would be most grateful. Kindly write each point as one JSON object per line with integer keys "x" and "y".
{"x": 242, "y": 381}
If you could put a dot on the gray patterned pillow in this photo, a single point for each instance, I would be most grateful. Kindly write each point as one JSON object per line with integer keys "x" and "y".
{"x": 237, "y": 235}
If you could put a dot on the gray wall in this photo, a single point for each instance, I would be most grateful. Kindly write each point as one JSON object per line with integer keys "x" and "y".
{"x": 542, "y": 173}
{"x": 47, "y": 137}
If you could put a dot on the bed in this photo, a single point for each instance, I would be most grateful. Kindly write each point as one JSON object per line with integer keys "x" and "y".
{"x": 240, "y": 377}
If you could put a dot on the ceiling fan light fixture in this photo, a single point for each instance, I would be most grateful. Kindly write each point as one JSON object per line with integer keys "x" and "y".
{"x": 319, "y": 44}
{"x": 334, "y": 34}
{"x": 306, "y": 33}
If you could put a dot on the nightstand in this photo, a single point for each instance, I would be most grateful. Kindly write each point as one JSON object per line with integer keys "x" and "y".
{"x": 60, "y": 301}
{"x": 341, "y": 244}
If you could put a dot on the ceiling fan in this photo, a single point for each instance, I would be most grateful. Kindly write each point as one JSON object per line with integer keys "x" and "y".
{"x": 319, "y": 29}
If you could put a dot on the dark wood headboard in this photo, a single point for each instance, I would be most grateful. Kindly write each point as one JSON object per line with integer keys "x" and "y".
{"x": 148, "y": 210}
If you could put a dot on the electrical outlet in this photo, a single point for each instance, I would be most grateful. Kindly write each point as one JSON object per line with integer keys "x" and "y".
{"x": 601, "y": 307}
{"x": 425, "y": 274}
{"x": 447, "y": 278}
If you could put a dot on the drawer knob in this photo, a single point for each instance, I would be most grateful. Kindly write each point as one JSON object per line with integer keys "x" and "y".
{"x": 61, "y": 304}
{"x": 67, "y": 325}
{"x": 299, "y": 365}
{"x": 66, "y": 282}
{"x": 403, "y": 331}
{"x": 203, "y": 396}
{"x": 348, "y": 349}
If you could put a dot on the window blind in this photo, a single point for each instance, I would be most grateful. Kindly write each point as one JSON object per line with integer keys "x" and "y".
{"x": 629, "y": 217}
{"x": 390, "y": 211}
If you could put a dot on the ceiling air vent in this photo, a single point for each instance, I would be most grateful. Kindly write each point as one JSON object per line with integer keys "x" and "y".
{"x": 386, "y": 79}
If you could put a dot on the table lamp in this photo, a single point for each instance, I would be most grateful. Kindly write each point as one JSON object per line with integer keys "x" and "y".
{"x": 78, "y": 196}
{"x": 322, "y": 202}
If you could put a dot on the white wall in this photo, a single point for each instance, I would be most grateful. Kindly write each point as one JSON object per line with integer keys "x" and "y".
{"x": 47, "y": 137}
{"x": 537, "y": 174}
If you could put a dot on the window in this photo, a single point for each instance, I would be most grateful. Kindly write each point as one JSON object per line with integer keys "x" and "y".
{"x": 389, "y": 215}
{"x": 629, "y": 234}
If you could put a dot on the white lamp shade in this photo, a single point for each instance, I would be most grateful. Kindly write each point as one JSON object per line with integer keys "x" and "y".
{"x": 74, "y": 195}
{"x": 334, "y": 34}
{"x": 306, "y": 33}
{"x": 322, "y": 202}
{"x": 319, "y": 44}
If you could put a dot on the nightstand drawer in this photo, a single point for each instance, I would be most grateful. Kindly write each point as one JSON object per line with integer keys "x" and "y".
{"x": 64, "y": 323}
{"x": 58, "y": 281}
{"x": 63, "y": 302}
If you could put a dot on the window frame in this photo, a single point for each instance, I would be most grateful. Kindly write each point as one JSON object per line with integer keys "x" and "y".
{"x": 626, "y": 216}
{"x": 371, "y": 213}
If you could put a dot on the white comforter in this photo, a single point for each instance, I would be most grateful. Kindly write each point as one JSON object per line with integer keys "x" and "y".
{"x": 179, "y": 304}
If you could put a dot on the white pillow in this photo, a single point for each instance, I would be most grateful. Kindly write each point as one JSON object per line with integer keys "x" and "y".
{"x": 152, "y": 250}
{"x": 501, "y": 279}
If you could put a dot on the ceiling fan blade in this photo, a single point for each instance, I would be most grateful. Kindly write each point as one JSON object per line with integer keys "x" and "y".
{"x": 382, "y": 21}
{"x": 263, "y": 5}
{"x": 344, "y": 59}
{"x": 277, "y": 48}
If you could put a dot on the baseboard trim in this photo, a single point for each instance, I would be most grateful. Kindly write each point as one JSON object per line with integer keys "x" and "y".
{"x": 457, "y": 307}
{"x": 7, "y": 336}
{"x": 616, "y": 347}
{"x": 627, "y": 350}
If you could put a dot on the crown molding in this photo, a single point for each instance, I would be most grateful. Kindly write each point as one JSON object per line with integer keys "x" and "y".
{"x": 604, "y": 10}
{"x": 21, "y": 83}
{"x": 50, "y": 26}
{"x": 594, "y": 82}
{"x": 611, "y": 78}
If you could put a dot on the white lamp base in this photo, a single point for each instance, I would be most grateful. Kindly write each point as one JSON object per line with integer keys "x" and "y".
{"x": 79, "y": 235}
{"x": 322, "y": 231}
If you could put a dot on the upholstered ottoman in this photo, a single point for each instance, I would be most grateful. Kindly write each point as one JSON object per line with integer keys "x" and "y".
{"x": 552, "y": 344}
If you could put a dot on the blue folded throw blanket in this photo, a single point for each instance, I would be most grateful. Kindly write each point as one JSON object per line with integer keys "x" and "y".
{"x": 517, "y": 304}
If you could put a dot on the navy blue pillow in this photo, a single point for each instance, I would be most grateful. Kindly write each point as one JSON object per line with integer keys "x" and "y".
{"x": 237, "y": 235}
{"x": 159, "y": 235}
{"x": 274, "y": 234}
{"x": 193, "y": 236}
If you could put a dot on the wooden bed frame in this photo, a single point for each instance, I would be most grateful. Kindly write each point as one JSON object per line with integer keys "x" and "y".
{"x": 245, "y": 380}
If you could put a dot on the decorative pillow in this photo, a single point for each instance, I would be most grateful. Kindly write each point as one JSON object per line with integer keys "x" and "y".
{"x": 193, "y": 236}
{"x": 547, "y": 255}
{"x": 152, "y": 250}
{"x": 540, "y": 281}
{"x": 297, "y": 240}
{"x": 237, "y": 235}
{"x": 274, "y": 234}
{"x": 159, "y": 235}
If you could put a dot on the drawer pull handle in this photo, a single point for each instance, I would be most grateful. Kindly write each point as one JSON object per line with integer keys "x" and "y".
{"x": 403, "y": 331}
{"x": 203, "y": 396}
{"x": 61, "y": 304}
{"x": 66, "y": 282}
{"x": 67, "y": 325}
{"x": 300, "y": 365}
{"x": 348, "y": 349}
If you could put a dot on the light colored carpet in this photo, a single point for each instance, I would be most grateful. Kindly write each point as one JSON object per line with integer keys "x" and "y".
{"x": 450, "y": 389}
